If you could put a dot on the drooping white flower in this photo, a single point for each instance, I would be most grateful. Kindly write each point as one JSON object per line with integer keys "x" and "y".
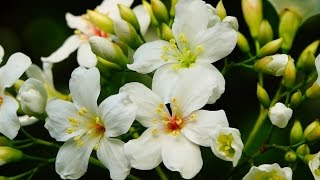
{"x": 227, "y": 144}
{"x": 317, "y": 63}
{"x": 314, "y": 166}
{"x": 278, "y": 64}
{"x": 85, "y": 30}
{"x": 1, "y": 53}
{"x": 193, "y": 44}
{"x": 269, "y": 171}
{"x": 280, "y": 115}
{"x": 173, "y": 138}
{"x": 9, "y": 73}
{"x": 85, "y": 126}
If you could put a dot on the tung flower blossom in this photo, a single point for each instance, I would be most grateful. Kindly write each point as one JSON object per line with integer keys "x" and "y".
{"x": 85, "y": 126}
{"x": 194, "y": 46}
{"x": 280, "y": 115}
{"x": 269, "y": 171}
{"x": 9, "y": 73}
{"x": 173, "y": 138}
{"x": 314, "y": 166}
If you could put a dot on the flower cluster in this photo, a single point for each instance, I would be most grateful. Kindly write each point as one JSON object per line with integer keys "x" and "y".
{"x": 159, "y": 109}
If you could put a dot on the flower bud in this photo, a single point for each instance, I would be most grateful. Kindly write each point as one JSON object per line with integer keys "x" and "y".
{"x": 265, "y": 33}
{"x": 263, "y": 96}
{"x": 242, "y": 43}
{"x": 9, "y": 155}
{"x": 148, "y": 7}
{"x": 290, "y": 156}
{"x": 101, "y": 21}
{"x": 160, "y": 11}
{"x": 289, "y": 76}
{"x": 270, "y": 48}
{"x": 221, "y": 11}
{"x": 108, "y": 51}
{"x": 314, "y": 134}
{"x": 166, "y": 32}
{"x": 289, "y": 24}
{"x": 252, "y": 12}
{"x": 280, "y": 115}
{"x": 313, "y": 91}
{"x": 308, "y": 158}
{"x": 303, "y": 150}
{"x": 104, "y": 66}
{"x": 311, "y": 127}
{"x": 307, "y": 57}
{"x": 4, "y": 141}
{"x": 17, "y": 85}
{"x": 127, "y": 33}
{"x": 128, "y": 15}
{"x": 296, "y": 133}
{"x": 296, "y": 99}
{"x": 172, "y": 7}
{"x": 232, "y": 21}
{"x": 273, "y": 65}
{"x": 33, "y": 97}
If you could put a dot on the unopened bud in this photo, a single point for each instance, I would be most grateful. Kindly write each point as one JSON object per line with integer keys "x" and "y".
{"x": 9, "y": 155}
{"x": 263, "y": 96}
{"x": 101, "y": 21}
{"x": 289, "y": 24}
{"x": 128, "y": 15}
{"x": 303, "y": 150}
{"x": 172, "y": 7}
{"x": 17, "y": 85}
{"x": 270, "y": 48}
{"x": 311, "y": 127}
{"x": 221, "y": 11}
{"x": 280, "y": 114}
{"x": 308, "y": 158}
{"x": 314, "y": 134}
{"x": 166, "y": 32}
{"x": 296, "y": 99}
{"x": 4, "y": 141}
{"x": 104, "y": 66}
{"x": 313, "y": 91}
{"x": 148, "y": 7}
{"x": 289, "y": 76}
{"x": 108, "y": 51}
{"x": 242, "y": 43}
{"x": 296, "y": 133}
{"x": 290, "y": 156}
{"x": 127, "y": 33}
{"x": 265, "y": 33}
{"x": 252, "y": 12}
{"x": 307, "y": 57}
{"x": 273, "y": 65}
{"x": 160, "y": 11}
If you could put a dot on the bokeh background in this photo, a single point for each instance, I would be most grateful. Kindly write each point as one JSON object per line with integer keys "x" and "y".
{"x": 37, "y": 28}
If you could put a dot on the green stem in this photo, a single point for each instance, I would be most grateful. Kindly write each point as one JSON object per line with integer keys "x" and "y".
{"x": 132, "y": 177}
{"x": 161, "y": 174}
{"x": 39, "y": 141}
{"x": 96, "y": 162}
{"x": 34, "y": 158}
{"x": 24, "y": 145}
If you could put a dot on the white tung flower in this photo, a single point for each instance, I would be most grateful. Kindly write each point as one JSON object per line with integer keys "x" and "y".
{"x": 194, "y": 45}
{"x": 173, "y": 137}
{"x": 269, "y": 171}
{"x": 227, "y": 144}
{"x": 280, "y": 115}
{"x": 85, "y": 126}
{"x": 9, "y": 73}
{"x": 85, "y": 29}
{"x": 314, "y": 166}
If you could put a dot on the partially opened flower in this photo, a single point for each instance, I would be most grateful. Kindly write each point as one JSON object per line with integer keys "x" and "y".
{"x": 173, "y": 138}
{"x": 194, "y": 46}
{"x": 85, "y": 126}
{"x": 269, "y": 171}
{"x": 314, "y": 166}
{"x": 9, "y": 73}
{"x": 280, "y": 115}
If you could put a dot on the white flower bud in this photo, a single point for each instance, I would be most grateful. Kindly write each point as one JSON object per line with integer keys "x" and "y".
{"x": 279, "y": 115}
{"x": 269, "y": 171}
{"x": 274, "y": 65}
{"x": 314, "y": 166}
{"x": 232, "y": 21}
{"x": 27, "y": 120}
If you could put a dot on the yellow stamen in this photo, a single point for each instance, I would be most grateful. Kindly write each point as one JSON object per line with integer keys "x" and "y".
{"x": 1, "y": 100}
{"x": 155, "y": 131}
{"x": 82, "y": 111}
{"x": 96, "y": 147}
{"x": 70, "y": 130}
{"x": 193, "y": 117}
{"x": 73, "y": 121}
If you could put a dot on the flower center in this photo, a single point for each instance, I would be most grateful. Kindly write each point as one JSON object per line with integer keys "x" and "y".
{"x": 225, "y": 141}
{"x": 273, "y": 175}
{"x": 92, "y": 30}
{"x": 1, "y": 100}
{"x": 183, "y": 54}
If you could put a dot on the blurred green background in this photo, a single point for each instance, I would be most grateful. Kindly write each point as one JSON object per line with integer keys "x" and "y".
{"x": 37, "y": 28}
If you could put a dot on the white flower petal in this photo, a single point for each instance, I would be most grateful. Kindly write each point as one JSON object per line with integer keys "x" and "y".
{"x": 78, "y": 22}
{"x": 69, "y": 46}
{"x": 212, "y": 14}
{"x": 146, "y": 101}
{"x": 268, "y": 171}
{"x": 57, "y": 123}
{"x": 280, "y": 115}
{"x": 85, "y": 88}
{"x": 16, "y": 65}
{"x": 117, "y": 113}
{"x": 9, "y": 122}
{"x": 72, "y": 159}
{"x": 314, "y": 165}
{"x": 199, "y": 130}
{"x": 144, "y": 153}
{"x": 217, "y": 42}
{"x": 1, "y": 53}
{"x": 317, "y": 63}
{"x": 187, "y": 24}
{"x": 221, "y": 83}
{"x": 27, "y": 120}
{"x": 148, "y": 57}
{"x": 191, "y": 93}
{"x": 232, "y": 21}
{"x": 143, "y": 18}
{"x": 151, "y": 34}
{"x": 236, "y": 145}
{"x": 111, "y": 154}
{"x": 179, "y": 154}
{"x": 164, "y": 79}
{"x": 85, "y": 56}
{"x": 35, "y": 72}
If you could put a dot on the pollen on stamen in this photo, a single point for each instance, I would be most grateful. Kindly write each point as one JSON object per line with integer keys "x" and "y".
{"x": 165, "y": 48}
{"x": 155, "y": 131}
{"x": 193, "y": 117}
{"x": 73, "y": 121}
{"x": 173, "y": 44}
{"x": 82, "y": 111}
{"x": 154, "y": 121}
{"x": 164, "y": 57}
{"x": 1, "y": 100}
{"x": 70, "y": 130}
{"x": 182, "y": 38}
